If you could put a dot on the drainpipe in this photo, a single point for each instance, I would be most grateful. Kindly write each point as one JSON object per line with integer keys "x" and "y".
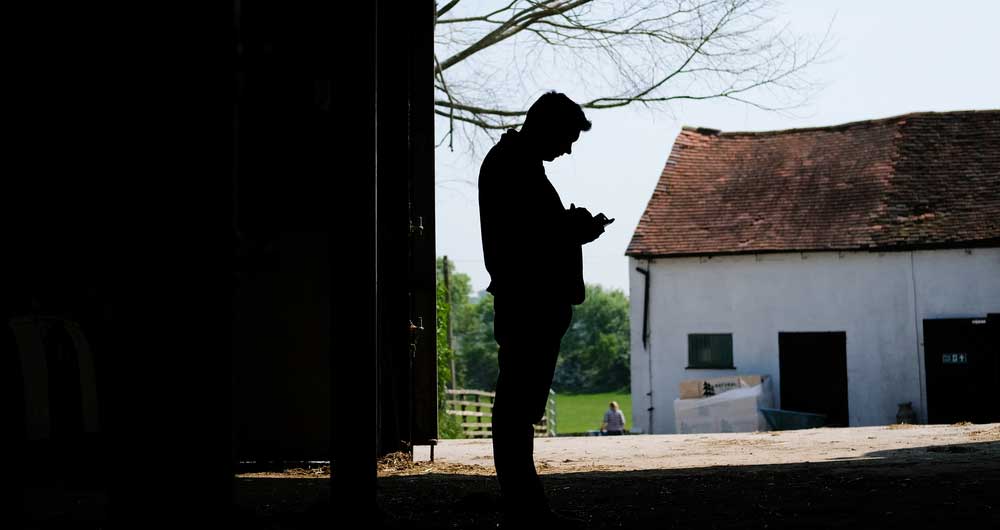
{"x": 645, "y": 338}
{"x": 917, "y": 339}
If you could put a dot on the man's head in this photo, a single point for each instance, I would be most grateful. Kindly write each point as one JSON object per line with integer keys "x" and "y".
{"x": 613, "y": 405}
{"x": 553, "y": 123}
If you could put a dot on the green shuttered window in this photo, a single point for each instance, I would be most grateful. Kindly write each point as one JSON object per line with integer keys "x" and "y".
{"x": 710, "y": 350}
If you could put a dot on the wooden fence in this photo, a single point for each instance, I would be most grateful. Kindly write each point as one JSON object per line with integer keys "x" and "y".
{"x": 476, "y": 410}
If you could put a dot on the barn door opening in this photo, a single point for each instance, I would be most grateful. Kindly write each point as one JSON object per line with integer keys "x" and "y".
{"x": 813, "y": 368}
{"x": 963, "y": 370}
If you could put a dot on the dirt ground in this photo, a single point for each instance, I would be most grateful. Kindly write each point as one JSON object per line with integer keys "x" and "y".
{"x": 912, "y": 477}
{"x": 689, "y": 451}
{"x": 869, "y": 477}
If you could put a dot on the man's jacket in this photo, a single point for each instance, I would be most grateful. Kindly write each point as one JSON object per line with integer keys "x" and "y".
{"x": 529, "y": 244}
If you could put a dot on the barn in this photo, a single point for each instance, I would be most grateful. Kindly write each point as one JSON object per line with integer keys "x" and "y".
{"x": 857, "y": 265}
{"x": 218, "y": 253}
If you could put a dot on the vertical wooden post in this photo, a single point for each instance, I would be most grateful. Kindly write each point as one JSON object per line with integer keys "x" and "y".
{"x": 447, "y": 297}
{"x": 462, "y": 418}
{"x": 479, "y": 419}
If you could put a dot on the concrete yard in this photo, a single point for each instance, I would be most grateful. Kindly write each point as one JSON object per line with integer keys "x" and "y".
{"x": 688, "y": 451}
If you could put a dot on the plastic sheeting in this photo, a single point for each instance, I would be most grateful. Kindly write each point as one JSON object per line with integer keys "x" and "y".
{"x": 732, "y": 411}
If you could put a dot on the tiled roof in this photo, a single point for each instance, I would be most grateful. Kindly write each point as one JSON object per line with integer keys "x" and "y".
{"x": 921, "y": 180}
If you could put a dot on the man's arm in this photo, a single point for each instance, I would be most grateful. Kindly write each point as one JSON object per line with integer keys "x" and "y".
{"x": 583, "y": 227}
{"x": 504, "y": 222}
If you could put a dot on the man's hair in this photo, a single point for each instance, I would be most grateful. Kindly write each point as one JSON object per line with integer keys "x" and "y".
{"x": 556, "y": 110}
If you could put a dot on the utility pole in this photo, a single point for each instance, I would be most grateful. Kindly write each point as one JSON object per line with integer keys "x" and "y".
{"x": 447, "y": 296}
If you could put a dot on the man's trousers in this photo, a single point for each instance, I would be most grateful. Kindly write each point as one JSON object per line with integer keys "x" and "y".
{"x": 528, "y": 332}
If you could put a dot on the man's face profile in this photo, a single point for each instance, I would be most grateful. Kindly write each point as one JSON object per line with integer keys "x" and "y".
{"x": 561, "y": 144}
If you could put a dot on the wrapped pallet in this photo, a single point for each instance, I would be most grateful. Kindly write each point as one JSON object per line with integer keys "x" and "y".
{"x": 733, "y": 409}
{"x": 699, "y": 388}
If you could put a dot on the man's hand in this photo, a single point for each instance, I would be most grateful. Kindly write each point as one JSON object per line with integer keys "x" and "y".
{"x": 603, "y": 219}
{"x": 579, "y": 216}
{"x": 585, "y": 226}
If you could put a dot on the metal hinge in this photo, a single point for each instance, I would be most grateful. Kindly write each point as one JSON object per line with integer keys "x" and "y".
{"x": 417, "y": 226}
{"x": 415, "y": 331}
{"x": 416, "y": 223}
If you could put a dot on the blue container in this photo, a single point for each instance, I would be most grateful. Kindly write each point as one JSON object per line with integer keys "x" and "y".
{"x": 787, "y": 420}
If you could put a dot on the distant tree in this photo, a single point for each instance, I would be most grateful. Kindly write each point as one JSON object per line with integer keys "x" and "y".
{"x": 460, "y": 309}
{"x": 594, "y": 355}
{"x": 460, "y": 287}
{"x": 478, "y": 347}
{"x": 448, "y": 426}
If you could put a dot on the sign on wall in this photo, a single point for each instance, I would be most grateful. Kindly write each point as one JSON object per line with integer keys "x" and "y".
{"x": 954, "y": 358}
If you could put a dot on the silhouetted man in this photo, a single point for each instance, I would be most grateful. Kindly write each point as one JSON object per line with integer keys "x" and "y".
{"x": 532, "y": 247}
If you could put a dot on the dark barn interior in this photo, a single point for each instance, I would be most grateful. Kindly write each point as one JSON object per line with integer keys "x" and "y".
{"x": 201, "y": 251}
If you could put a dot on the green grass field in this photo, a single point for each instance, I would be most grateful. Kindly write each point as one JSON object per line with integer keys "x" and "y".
{"x": 582, "y": 413}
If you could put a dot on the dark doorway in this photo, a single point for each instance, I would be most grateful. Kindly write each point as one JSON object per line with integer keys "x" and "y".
{"x": 961, "y": 361}
{"x": 813, "y": 369}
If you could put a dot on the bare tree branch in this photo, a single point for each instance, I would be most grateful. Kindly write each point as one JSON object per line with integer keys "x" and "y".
{"x": 483, "y": 18}
{"x": 479, "y": 110}
{"x": 482, "y": 123}
{"x": 447, "y": 7}
{"x": 451, "y": 113}
{"x": 511, "y": 27}
{"x": 614, "y": 53}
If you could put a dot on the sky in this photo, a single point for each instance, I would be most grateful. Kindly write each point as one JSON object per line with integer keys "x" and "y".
{"x": 888, "y": 58}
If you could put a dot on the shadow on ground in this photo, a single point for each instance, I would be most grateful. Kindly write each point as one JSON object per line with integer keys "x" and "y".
{"x": 928, "y": 487}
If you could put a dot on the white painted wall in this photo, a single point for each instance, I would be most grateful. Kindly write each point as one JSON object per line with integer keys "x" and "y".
{"x": 878, "y": 299}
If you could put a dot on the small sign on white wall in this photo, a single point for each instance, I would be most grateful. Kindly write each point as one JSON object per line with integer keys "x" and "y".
{"x": 954, "y": 358}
